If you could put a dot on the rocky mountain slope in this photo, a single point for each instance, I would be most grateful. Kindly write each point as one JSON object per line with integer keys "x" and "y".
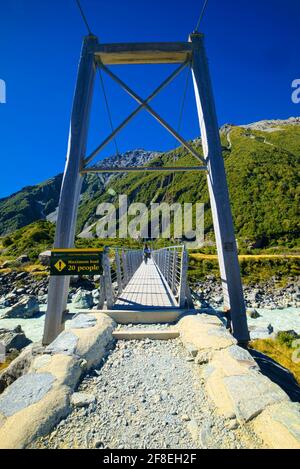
{"x": 263, "y": 177}
{"x": 262, "y": 162}
{"x": 40, "y": 202}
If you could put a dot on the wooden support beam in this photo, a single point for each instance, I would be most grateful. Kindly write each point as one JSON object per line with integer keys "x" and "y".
{"x": 154, "y": 114}
{"x": 109, "y": 294}
{"x": 218, "y": 191}
{"x": 115, "y": 132}
{"x": 71, "y": 186}
{"x": 101, "y": 292}
{"x": 143, "y": 53}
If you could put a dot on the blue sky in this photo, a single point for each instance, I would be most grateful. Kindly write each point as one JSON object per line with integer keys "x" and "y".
{"x": 253, "y": 49}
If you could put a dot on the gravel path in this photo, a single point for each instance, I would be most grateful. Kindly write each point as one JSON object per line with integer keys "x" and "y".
{"x": 148, "y": 394}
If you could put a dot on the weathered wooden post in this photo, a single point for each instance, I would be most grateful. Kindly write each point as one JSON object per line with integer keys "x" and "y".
{"x": 219, "y": 197}
{"x": 101, "y": 293}
{"x": 71, "y": 185}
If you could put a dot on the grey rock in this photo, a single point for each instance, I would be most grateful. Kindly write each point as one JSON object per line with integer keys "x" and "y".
{"x": 253, "y": 314}
{"x": 205, "y": 435}
{"x": 82, "y": 399}
{"x": 233, "y": 425}
{"x": 261, "y": 332}
{"x": 82, "y": 321}
{"x": 27, "y": 390}
{"x": 44, "y": 257}
{"x": 27, "y": 307}
{"x": 203, "y": 358}
{"x": 288, "y": 414}
{"x": 194, "y": 430}
{"x": 192, "y": 350}
{"x": 20, "y": 365}
{"x": 23, "y": 259}
{"x": 252, "y": 393}
{"x": 243, "y": 356}
{"x": 83, "y": 299}
{"x": 220, "y": 332}
{"x": 43, "y": 299}
{"x": 14, "y": 338}
{"x": 66, "y": 343}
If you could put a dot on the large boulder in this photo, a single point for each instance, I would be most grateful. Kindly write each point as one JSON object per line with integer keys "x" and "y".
{"x": 44, "y": 257}
{"x": 27, "y": 307}
{"x": 8, "y": 300}
{"x": 253, "y": 314}
{"x": 23, "y": 259}
{"x": 261, "y": 332}
{"x": 14, "y": 338}
{"x": 20, "y": 365}
{"x": 83, "y": 299}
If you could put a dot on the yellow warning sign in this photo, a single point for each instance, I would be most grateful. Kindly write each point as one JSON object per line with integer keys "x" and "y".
{"x": 76, "y": 262}
{"x": 60, "y": 265}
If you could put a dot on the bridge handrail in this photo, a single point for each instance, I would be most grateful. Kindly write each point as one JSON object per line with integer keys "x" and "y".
{"x": 119, "y": 266}
{"x": 172, "y": 263}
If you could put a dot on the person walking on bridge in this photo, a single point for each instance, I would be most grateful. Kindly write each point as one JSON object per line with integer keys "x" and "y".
{"x": 147, "y": 253}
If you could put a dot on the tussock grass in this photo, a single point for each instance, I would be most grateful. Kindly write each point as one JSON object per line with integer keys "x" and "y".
{"x": 280, "y": 352}
{"x": 9, "y": 358}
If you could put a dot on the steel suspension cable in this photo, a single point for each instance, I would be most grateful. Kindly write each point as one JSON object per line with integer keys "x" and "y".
{"x": 108, "y": 110}
{"x": 84, "y": 19}
{"x": 180, "y": 120}
{"x": 83, "y": 16}
{"x": 201, "y": 14}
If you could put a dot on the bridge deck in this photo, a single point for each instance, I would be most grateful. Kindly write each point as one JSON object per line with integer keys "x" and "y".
{"x": 147, "y": 289}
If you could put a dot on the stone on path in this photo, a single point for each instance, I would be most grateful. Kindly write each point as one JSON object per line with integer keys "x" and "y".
{"x": 82, "y": 399}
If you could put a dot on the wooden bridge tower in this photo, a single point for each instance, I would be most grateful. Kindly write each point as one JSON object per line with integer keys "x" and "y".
{"x": 191, "y": 53}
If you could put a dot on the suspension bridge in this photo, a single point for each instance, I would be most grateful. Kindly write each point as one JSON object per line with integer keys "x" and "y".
{"x": 166, "y": 406}
{"x": 136, "y": 291}
{"x": 149, "y": 284}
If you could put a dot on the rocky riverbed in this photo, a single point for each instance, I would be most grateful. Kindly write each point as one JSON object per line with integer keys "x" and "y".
{"x": 23, "y": 300}
{"x": 262, "y": 296}
{"x": 147, "y": 394}
{"x": 22, "y": 291}
{"x": 16, "y": 287}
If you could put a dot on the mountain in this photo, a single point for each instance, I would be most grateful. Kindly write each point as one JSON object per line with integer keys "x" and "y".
{"x": 40, "y": 202}
{"x": 263, "y": 176}
{"x": 262, "y": 162}
{"x": 29, "y": 204}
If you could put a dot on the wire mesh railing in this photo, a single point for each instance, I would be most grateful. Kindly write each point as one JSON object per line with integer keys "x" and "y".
{"x": 172, "y": 263}
{"x": 119, "y": 266}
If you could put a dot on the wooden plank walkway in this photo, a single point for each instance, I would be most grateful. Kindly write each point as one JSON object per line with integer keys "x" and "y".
{"x": 147, "y": 289}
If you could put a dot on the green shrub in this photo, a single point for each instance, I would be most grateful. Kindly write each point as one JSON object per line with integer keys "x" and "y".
{"x": 286, "y": 338}
{"x": 7, "y": 242}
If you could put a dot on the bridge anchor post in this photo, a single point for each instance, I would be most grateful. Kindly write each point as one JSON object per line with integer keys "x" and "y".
{"x": 71, "y": 186}
{"x": 218, "y": 191}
